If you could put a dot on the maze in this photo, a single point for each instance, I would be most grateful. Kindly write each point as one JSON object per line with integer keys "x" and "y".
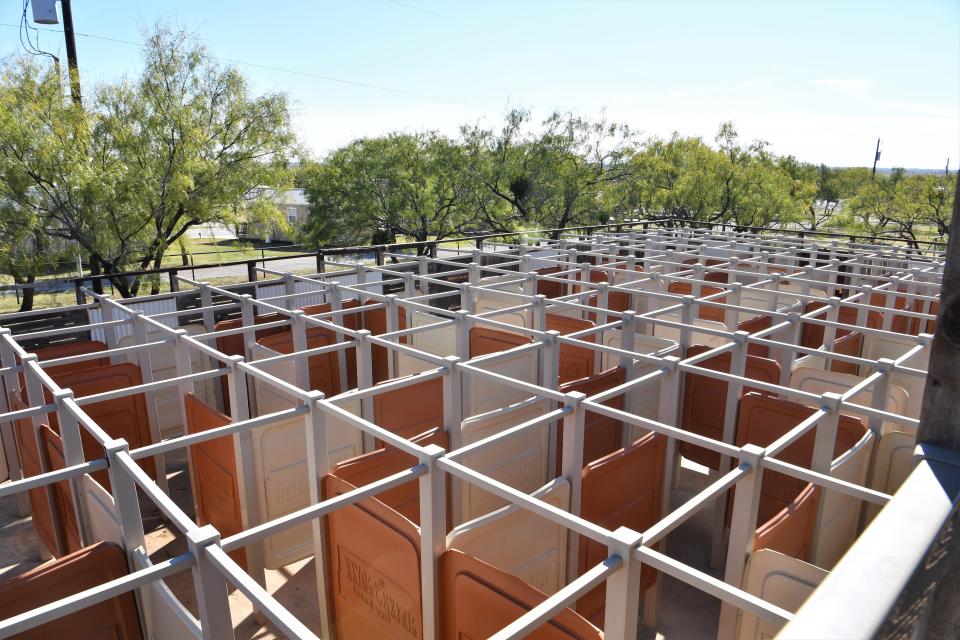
{"x": 523, "y": 439}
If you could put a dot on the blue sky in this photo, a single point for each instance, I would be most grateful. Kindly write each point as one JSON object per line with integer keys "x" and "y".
{"x": 820, "y": 80}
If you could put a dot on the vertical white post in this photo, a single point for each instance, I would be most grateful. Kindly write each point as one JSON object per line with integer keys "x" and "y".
{"x": 11, "y": 384}
{"x": 244, "y": 459}
{"x": 550, "y": 379}
{"x": 822, "y": 459}
{"x": 572, "y": 467}
{"x": 365, "y": 381}
{"x": 622, "y": 606}
{"x": 318, "y": 464}
{"x": 289, "y": 289}
{"x": 145, "y": 363}
{"x": 110, "y": 332}
{"x": 746, "y": 503}
{"x": 433, "y": 530}
{"x": 73, "y": 455}
{"x": 125, "y": 499}
{"x": 738, "y": 367}
{"x": 452, "y": 418}
{"x": 210, "y": 586}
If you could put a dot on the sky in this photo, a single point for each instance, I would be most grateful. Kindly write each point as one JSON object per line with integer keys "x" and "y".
{"x": 818, "y": 80}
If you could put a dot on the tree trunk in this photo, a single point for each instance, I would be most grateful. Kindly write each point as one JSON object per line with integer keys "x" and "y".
{"x": 26, "y": 302}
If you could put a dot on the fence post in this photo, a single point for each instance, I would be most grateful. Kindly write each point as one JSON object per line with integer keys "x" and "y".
{"x": 378, "y": 255}
{"x": 622, "y": 606}
{"x": 174, "y": 283}
{"x": 210, "y": 586}
{"x": 321, "y": 263}
{"x": 251, "y": 270}
{"x": 95, "y": 271}
{"x": 78, "y": 287}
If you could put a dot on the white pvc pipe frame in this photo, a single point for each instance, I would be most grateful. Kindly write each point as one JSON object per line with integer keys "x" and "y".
{"x": 628, "y": 550}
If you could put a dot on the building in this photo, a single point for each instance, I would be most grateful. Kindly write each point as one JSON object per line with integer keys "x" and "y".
{"x": 295, "y": 209}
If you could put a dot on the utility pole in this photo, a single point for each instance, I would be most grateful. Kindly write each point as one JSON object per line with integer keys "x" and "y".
{"x": 876, "y": 156}
{"x": 72, "y": 67}
{"x": 946, "y": 170}
{"x": 45, "y": 12}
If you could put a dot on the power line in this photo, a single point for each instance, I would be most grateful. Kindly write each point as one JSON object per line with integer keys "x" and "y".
{"x": 307, "y": 74}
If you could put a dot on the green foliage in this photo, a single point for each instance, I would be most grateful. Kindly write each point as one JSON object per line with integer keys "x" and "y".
{"x": 375, "y": 189}
{"x": 146, "y": 159}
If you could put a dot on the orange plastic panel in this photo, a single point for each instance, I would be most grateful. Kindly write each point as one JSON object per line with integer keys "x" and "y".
{"x": 601, "y": 434}
{"x": 42, "y": 511}
{"x": 373, "y": 569}
{"x": 547, "y": 287}
{"x": 811, "y": 335}
{"x": 849, "y": 344}
{"x": 705, "y": 400}
{"x": 762, "y": 420}
{"x": 575, "y": 362}
{"x": 232, "y": 345}
{"x": 213, "y": 469}
{"x": 375, "y": 321}
{"x": 791, "y": 530}
{"x": 92, "y": 566}
{"x": 900, "y": 323}
{"x": 324, "y": 368}
{"x": 616, "y": 301}
{"x": 62, "y": 498}
{"x": 484, "y": 341}
{"x": 753, "y": 325}
{"x": 706, "y": 313}
{"x": 477, "y": 600}
{"x": 55, "y": 351}
{"x": 410, "y": 410}
{"x": 124, "y": 417}
{"x": 622, "y": 489}
{"x": 381, "y": 463}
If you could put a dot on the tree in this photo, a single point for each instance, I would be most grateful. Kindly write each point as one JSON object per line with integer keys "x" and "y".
{"x": 567, "y": 174}
{"x": 184, "y": 144}
{"x": 375, "y": 189}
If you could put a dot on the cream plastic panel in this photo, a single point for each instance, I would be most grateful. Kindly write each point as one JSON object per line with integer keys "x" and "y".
{"x": 840, "y": 513}
{"x": 781, "y": 580}
{"x": 876, "y": 346}
{"x": 101, "y": 511}
{"x": 644, "y": 400}
{"x": 641, "y": 344}
{"x": 567, "y": 312}
{"x": 484, "y": 394}
{"x": 623, "y": 276}
{"x": 441, "y": 341}
{"x": 163, "y": 363}
{"x": 489, "y": 300}
{"x": 762, "y": 301}
{"x": 520, "y": 542}
{"x": 520, "y": 461}
{"x": 645, "y": 303}
{"x": 696, "y": 337}
{"x": 792, "y": 287}
{"x": 269, "y": 398}
{"x": 821, "y": 381}
{"x": 892, "y": 463}
{"x": 166, "y": 617}
{"x": 280, "y": 475}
